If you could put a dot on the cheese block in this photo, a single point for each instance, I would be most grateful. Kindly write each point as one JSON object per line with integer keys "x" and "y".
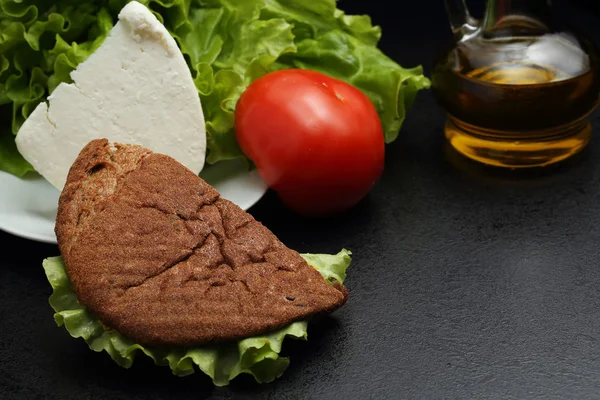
{"x": 135, "y": 88}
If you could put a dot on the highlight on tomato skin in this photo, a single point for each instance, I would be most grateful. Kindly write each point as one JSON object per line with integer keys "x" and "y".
{"x": 316, "y": 140}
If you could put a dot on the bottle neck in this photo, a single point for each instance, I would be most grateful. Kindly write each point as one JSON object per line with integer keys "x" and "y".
{"x": 501, "y": 13}
{"x": 507, "y": 7}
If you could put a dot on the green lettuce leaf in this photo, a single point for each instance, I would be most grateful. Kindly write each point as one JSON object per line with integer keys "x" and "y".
{"x": 332, "y": 266}
{"x": 10, "y": 159}
{"x": 229, "y": 47}
{"x": 257, "y": 356}
{"x": 227, "y": 44}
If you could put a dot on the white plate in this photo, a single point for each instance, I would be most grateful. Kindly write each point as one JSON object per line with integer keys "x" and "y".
{"x": 28, "y": 206}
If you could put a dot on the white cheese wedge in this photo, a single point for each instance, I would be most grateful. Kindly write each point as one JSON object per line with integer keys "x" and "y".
{"x": 136, "y": 88}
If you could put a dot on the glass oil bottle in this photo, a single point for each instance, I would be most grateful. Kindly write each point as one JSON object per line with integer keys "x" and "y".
{"x": 517, "y": 87}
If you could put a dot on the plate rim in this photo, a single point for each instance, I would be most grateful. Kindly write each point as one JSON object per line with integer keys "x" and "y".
{"x": 28, "y": 235}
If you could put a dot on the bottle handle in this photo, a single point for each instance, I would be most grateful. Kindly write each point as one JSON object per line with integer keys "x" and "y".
{"x": 461, "y": 21}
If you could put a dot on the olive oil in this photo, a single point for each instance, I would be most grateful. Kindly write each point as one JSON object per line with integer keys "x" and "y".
{"x": 518, "y": 101}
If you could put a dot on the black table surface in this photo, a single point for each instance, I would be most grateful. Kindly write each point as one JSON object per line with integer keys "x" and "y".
{"x": 465, "y": 283}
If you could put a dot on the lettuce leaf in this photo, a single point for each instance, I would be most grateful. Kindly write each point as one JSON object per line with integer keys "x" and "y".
{"x": 227, "y": 44}
{"x": 257, "y": 356}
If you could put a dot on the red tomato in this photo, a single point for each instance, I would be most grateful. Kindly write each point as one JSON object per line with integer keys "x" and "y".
{"x": 317, "y": 141}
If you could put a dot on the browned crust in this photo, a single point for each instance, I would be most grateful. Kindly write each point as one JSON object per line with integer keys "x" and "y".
{"x": 154, "y": 252}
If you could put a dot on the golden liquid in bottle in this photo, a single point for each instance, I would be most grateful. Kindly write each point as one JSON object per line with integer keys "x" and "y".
{"x": 507, "y": 108}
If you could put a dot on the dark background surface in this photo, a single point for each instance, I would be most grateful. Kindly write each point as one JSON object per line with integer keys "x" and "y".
{"x": 466, "y": 283}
